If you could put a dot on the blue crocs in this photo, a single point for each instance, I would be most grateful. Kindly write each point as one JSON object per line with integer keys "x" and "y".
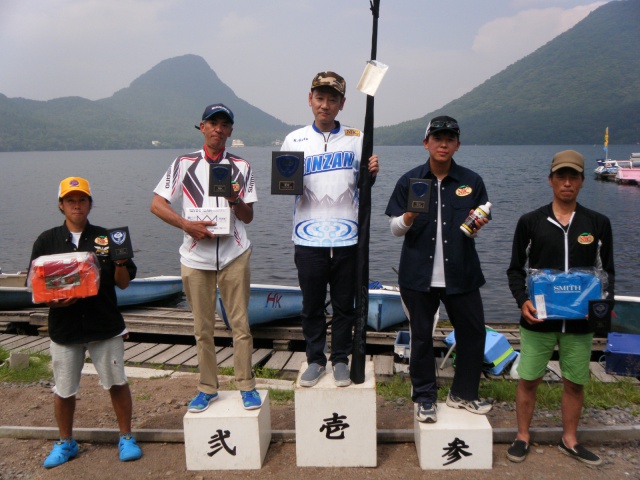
{"x": 201, "y": 402}
{"x": 129, "y": 449}
{"x": 62, "y": 452}
{"x": 251, "y": 399}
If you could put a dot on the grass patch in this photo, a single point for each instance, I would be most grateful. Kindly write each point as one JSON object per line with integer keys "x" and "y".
{"x": 259, "y": 372}
{"x": 623, "y": 394}
{"x": 281, "y": 397}
{"x": 398, "y": 387}
{"x": 37, "y": 370}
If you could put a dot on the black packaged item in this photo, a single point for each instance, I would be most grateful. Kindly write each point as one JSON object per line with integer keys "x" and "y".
{"x": 220, "y": 180}
{"x": 287, "y": 169}
{"x": 600, "y": 316}
{"x": 419, "y": 194}
{"x": 120, "y": 246}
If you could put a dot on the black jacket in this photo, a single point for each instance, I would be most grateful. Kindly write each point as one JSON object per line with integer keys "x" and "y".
{"x": 540, "y": 242}
{"x": 93, "y": 318}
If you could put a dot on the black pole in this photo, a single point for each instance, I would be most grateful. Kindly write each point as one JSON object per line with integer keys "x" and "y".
{"x": 358, "y": 356}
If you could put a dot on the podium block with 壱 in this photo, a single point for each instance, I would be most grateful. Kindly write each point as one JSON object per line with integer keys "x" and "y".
{"x": 336, "y": 426}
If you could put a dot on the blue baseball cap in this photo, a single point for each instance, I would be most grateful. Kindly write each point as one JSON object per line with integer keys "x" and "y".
{"x": 211, "y": 110}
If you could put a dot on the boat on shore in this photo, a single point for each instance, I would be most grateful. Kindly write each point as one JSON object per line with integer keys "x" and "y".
{"x": 268, "y": 303}
{"x": 14, "y": 295}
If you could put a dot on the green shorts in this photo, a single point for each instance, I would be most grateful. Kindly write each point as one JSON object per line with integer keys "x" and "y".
{"x": 536, "y": 349}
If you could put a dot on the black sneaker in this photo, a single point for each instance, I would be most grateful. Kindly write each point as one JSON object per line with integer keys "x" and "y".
{"x": 518, "y": 451}
{"x": 427, "y": 413}
{"x": 580, "y": 453}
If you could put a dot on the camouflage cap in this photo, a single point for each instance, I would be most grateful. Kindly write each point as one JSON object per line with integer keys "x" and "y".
{"x": 330, "y": 79}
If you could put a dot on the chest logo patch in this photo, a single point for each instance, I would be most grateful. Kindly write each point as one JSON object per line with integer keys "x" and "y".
{"x": 352, "y": 132}
{"x": 464, "y": 190}
{"x": 585, "y": 239}
{"x": 102, "y": 241}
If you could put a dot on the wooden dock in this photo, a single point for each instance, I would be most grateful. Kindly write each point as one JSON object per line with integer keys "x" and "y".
{"x": 275, "y": 339}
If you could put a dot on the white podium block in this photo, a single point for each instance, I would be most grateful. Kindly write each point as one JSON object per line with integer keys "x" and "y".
{"x": 336, "y": 426}
{"x": 226, "y": 436}
{"x": 458, "y": 440}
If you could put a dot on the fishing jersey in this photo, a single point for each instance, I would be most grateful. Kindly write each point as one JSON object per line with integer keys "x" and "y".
{"x": 326, "y": 214}
{"x": 188, "y": 179}
{"x": 541, "y": 242}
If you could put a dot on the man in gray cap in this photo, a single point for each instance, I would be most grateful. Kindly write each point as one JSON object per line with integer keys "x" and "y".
{"x": 560, "y": 236}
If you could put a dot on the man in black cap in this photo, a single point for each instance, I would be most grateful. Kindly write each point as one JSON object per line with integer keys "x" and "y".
{"x": 440, "y": 263}
{"x": 559, "y": 236}
{"x": 209, "y": 260}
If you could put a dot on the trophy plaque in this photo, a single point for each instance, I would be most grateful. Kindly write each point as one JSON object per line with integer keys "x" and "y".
{"x": 419, "y": 194}
{"x": 600, "y": 316}
{"x": 220, "y": 180}
{"x": 119, "y": 243}
{"x": 286, "y": 173}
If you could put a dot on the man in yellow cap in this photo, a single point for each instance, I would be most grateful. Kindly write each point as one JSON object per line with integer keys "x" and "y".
{"x": 93, "y": 324}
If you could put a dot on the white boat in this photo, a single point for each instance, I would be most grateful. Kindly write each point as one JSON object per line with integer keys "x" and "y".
{"x": 236, "y": 142}
{"x": 606, "y": 169}
{"x": 268, "y": 303}
{"x": 15, "y": 295}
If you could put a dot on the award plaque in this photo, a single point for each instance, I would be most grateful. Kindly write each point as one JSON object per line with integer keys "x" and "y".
{"x": 600, "y": 316}
{"x": 419, "y": 194}
{"x": 286, "y": 173}
{"x": 220, "y": 180}
{"x": 119, "y": 243}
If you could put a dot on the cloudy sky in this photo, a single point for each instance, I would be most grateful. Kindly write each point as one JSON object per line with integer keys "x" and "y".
{"x": 268, "y": 51}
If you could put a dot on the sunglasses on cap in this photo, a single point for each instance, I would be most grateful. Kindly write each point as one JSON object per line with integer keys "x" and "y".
{"x": 441, "y": 124}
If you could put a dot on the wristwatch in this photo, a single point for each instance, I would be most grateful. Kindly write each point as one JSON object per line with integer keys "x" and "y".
{"x": 120, "y": 264}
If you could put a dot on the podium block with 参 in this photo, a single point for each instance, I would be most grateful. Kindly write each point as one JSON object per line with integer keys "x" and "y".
{"x": 336, "y": 426}
{"x": 226, "y": 436}
{"x": 458, "y": 440}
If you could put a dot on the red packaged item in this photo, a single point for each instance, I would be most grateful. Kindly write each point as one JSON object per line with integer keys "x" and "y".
{"x": 64, "y": 275}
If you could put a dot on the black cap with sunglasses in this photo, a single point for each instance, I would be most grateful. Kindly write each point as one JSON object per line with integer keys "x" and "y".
{"x": 443, "y": 123}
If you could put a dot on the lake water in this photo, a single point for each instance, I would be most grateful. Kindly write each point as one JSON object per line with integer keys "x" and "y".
{"x": 123, "y": 181}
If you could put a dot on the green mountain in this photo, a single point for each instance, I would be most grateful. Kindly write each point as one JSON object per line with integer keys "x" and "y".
{"x": 566, "y": 92}
{"x": 162, "y": 105}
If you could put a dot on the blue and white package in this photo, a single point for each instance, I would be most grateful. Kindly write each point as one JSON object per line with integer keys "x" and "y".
{"x": 563, "y": 295}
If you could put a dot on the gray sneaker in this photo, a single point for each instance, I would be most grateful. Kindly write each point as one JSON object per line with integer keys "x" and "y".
{"x": 341, "y": 375}
{"x": 311, "y": 375}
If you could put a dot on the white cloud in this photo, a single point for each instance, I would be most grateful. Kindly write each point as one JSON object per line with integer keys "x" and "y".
{"x": 512, "y": 38}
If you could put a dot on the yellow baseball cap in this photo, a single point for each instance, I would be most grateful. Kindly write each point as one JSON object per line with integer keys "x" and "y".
{"x": 73, "y": 184}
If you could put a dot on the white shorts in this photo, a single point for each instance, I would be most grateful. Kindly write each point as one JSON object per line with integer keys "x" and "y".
{"x": 107, "y": 357}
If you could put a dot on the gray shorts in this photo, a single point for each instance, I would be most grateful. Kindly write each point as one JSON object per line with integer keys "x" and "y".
{"x": 107, "y": 357}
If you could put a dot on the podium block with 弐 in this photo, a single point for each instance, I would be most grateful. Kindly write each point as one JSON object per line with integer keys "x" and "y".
{"x": 336, "y": 426}
{"x": 459, "y": 440}
{"x": 226, "y": 436}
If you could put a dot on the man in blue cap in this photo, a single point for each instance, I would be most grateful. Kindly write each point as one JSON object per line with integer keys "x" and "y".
{"x": 211, "y": 260}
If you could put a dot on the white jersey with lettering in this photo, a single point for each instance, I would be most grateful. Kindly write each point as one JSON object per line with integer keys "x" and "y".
{"x": 326, "y": 214}
{"x": 187, "y": 179}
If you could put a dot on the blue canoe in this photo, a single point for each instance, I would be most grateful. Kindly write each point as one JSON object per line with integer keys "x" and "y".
{"x": 14, "y": 295}
{"x": 268, "y": 303}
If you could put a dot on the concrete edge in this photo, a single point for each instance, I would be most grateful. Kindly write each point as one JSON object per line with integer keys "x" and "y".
{"x": 500, "y": 435}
